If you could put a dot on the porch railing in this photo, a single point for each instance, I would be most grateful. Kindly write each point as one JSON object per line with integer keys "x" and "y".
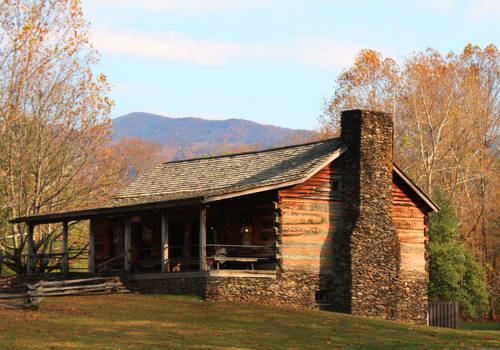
{"x": 182, "y": 258}
{"x": 53, "y": 262}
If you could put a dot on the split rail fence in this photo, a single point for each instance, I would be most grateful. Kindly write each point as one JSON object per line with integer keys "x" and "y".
{"x": 31, "y": 295}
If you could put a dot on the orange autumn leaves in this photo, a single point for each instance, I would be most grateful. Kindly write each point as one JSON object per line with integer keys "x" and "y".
{"x": 446, "y": 112}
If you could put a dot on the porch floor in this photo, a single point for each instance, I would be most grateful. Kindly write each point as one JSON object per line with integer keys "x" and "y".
{"x": 210, "y": 273}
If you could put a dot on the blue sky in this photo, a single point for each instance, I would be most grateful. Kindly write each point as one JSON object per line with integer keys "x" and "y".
{"x": 274, "y": 62}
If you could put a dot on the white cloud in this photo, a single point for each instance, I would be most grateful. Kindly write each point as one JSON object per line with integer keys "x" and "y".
{"x": 175, "y": 46}
{"x": 189, "y": 7}
{"x": 442, "y": 5}
{"x": 485, "y": 8}
{"x": 322, "y": 52}
{"x": 169, "y": 45}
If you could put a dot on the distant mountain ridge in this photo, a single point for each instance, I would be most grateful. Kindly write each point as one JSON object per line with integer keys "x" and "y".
{"x": 191, "y": 137}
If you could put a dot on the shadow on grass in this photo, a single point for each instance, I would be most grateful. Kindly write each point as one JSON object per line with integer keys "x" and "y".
{"x": 480, "y": 326}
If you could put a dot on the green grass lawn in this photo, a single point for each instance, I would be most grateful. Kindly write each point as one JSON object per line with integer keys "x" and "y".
{"x": 480, "y": 326}
{"x": 133, "y": 321}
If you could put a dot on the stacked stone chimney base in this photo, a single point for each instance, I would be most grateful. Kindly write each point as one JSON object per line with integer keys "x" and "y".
{"x": 373, "y": 248}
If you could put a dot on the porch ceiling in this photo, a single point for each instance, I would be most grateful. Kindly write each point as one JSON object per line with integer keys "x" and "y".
{"x": 86, "y": 214}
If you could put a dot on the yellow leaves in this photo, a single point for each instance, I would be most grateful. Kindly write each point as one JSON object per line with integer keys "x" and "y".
{"x": 106, "y": 151}
{"x": 108, "y": 101}
{"x": 27, "y": 27}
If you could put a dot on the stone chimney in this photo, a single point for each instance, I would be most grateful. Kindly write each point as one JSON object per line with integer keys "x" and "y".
{"x": 371, "y": 243}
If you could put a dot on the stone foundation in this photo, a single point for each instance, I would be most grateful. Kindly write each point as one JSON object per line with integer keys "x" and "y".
{"x": 172, "y": 285}
{"x": 297, "y": 289}
{"x": 292, "y": 288}
{"x": 413, "y": 299}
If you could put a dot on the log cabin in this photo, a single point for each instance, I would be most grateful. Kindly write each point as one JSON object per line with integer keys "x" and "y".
{"x": 332, "y": 224}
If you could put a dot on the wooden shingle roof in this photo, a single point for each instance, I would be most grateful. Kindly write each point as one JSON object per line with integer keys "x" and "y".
{"x": 222, "y": 175}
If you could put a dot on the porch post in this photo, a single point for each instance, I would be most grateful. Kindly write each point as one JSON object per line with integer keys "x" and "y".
{"x": 30, "y": 263}
{"x": 1, "y": 260}
{"x": 128, "y": 233}
{"x": 65, "y": 258}
{"x": 92, "y": 246}
{"x": 203, "y": 239}
{"x": 164, "y": 242}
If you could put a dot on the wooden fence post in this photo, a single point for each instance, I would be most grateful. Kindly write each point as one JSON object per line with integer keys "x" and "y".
{"x": 65, "y": 258}
{"x": 1, "y": 261}
{"x": 91, "y": 261}
{"x": 30, "y": 262}
{"x": 128, "y": 233}
{"x": 203, "y": 239}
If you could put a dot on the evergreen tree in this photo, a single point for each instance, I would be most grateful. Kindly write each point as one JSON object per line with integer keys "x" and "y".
{"x": 455, "y": 274}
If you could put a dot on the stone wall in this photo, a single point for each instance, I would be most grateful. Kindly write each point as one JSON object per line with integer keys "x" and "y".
{"x": 173, "y": 285}
{"x": 292, "y": 288}
{"x": 373, "y": 255}
{"x": 368, "y": 248}
{"x": 413, "y": 299}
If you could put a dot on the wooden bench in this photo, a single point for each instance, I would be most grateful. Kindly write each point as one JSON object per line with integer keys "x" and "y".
{"x": 222, "y": 259}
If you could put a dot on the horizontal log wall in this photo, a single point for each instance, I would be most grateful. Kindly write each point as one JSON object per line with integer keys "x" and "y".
{"x": 411, "y": 224}
{"x": 310, "y": 213}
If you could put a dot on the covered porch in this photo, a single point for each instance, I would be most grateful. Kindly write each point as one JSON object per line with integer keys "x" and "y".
{"x": 229, "y": 237}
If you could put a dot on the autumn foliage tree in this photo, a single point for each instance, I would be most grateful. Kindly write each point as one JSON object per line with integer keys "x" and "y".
{"x": 446, "y": 113}
{"x": 53, "y": 123}
{"x": 132, "y": 157}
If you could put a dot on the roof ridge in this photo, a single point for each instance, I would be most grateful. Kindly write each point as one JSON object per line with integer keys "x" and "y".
{"x": 250, "y": 152}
